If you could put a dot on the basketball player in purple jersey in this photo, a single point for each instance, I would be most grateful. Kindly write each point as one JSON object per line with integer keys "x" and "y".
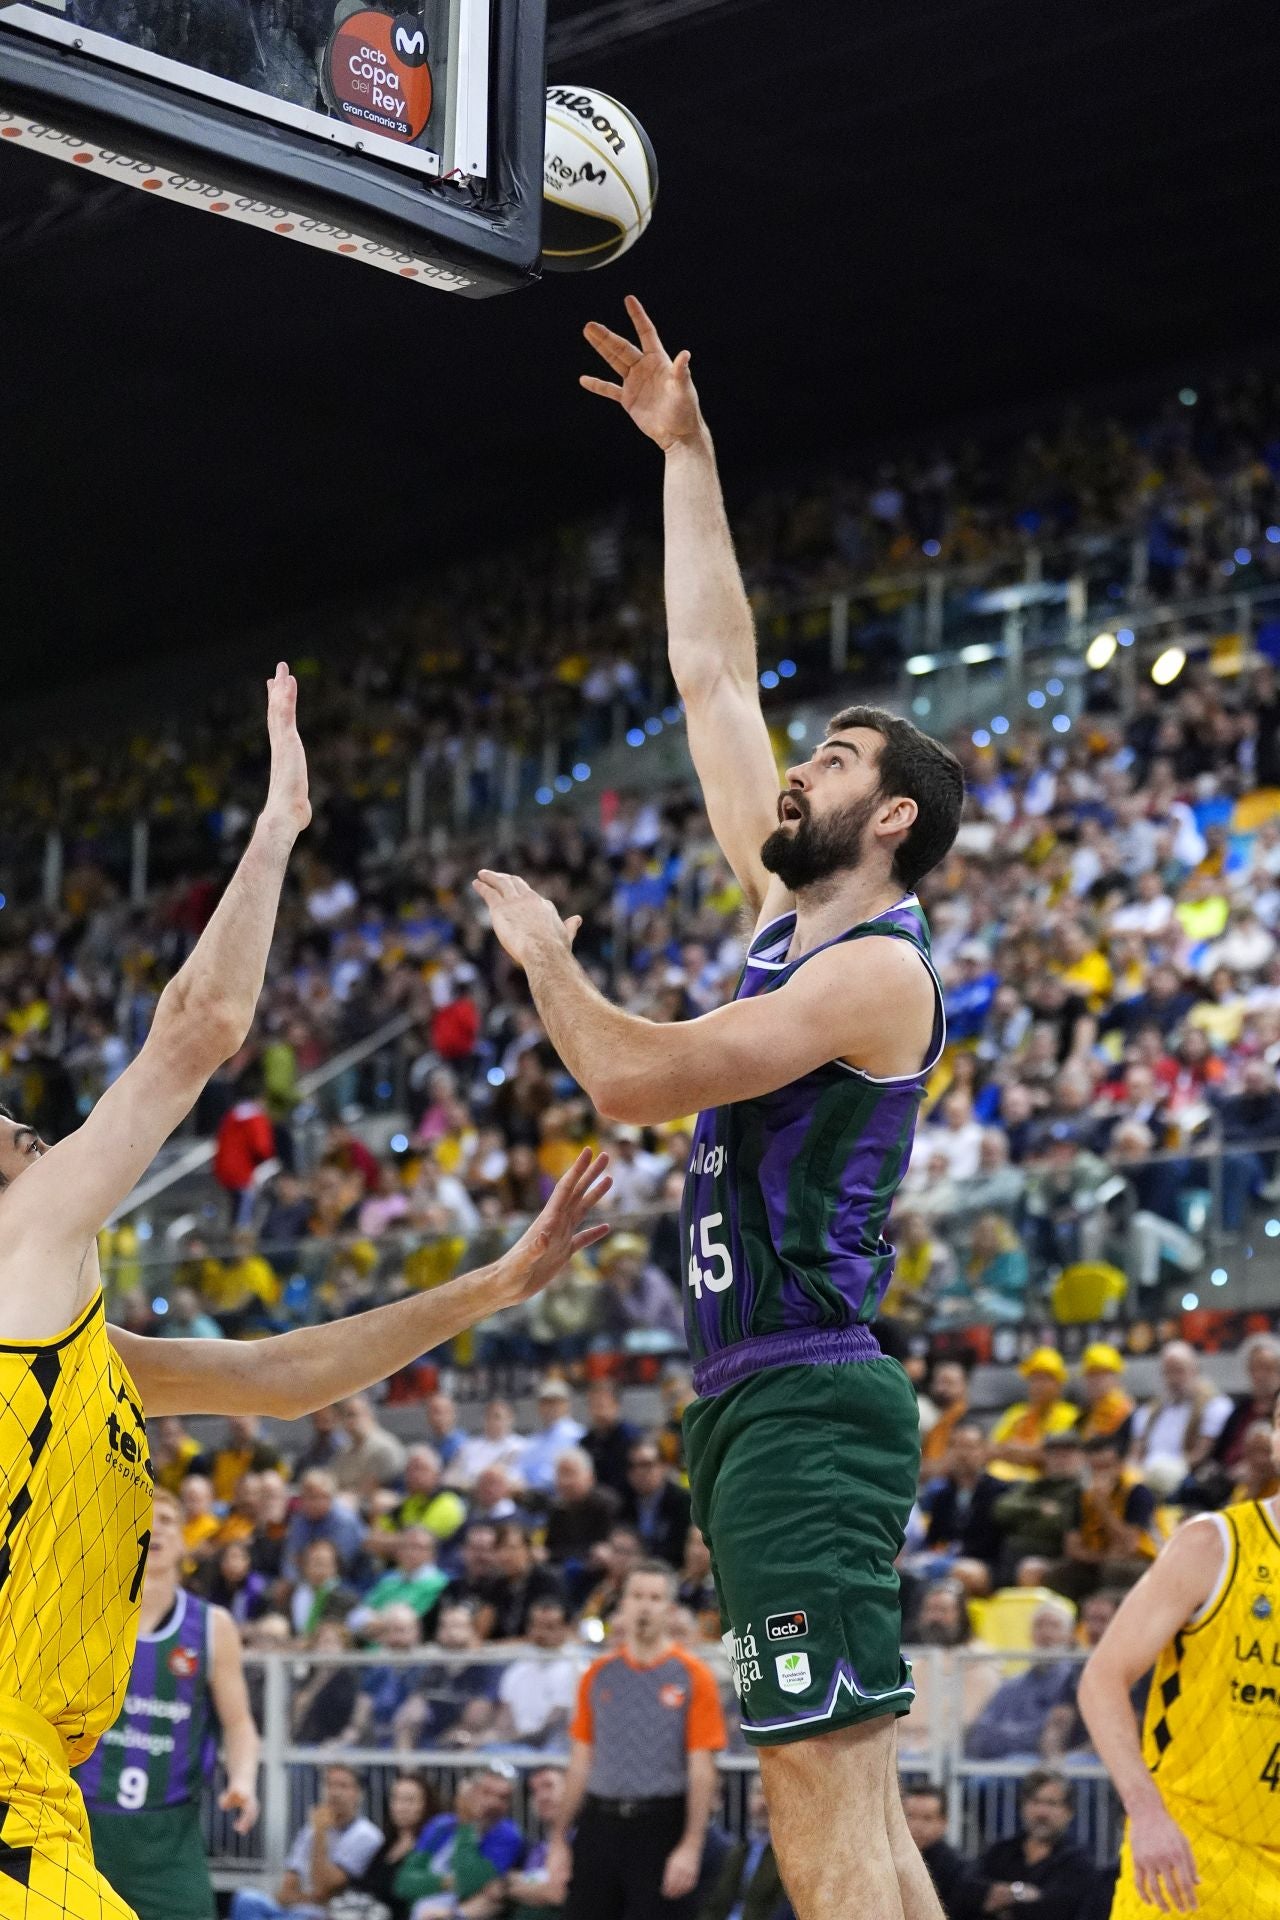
{"x": 803, "y": 1444}
{"x": 144, "y": 1781}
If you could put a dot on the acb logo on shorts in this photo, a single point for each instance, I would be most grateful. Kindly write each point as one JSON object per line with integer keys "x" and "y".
{"x": 786, "y": 1626}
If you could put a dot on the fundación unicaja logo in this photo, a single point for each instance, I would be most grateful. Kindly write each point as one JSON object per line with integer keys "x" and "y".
{"x": 793, "y": 1672}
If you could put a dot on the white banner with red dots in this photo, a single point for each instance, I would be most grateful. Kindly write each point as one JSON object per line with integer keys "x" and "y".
{"x": 205, "y": 195}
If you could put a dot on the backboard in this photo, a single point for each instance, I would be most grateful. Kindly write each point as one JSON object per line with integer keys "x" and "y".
{"x": 409, "y": 136}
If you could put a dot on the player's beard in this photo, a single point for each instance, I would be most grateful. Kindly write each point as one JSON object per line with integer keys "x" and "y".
{"x": 813, "y": 850}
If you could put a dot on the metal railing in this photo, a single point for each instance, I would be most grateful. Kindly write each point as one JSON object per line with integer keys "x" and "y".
{"x": 931, "y": 1746}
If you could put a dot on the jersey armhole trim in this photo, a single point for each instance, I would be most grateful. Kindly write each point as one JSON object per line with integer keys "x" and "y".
{"x": 921, "y": 1073}
{"x": 58, "y": 1340}
{"x": 1222, "y": 1585}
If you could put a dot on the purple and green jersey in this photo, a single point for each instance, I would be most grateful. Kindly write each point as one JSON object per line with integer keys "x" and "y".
{"x": 787, "y": 1194}
{"x": 160, "y": 1751}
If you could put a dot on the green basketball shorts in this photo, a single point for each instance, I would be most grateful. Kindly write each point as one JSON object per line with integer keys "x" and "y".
{"x": 155, "y": 1860}
{"x": 802, "y": 1480}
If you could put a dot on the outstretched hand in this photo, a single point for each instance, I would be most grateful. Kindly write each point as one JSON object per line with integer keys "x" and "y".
{"x": 558, "y": 1233}
{"x": 656, "y": 390}
{"x": 288, "y": 795}
{"x": 522, "y": 918}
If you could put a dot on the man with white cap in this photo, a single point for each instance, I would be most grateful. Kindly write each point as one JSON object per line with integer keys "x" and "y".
{"x": 557, "y": 1432}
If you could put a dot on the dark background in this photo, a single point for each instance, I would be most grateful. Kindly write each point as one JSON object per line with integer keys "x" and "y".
{"x": 874, "y": 218}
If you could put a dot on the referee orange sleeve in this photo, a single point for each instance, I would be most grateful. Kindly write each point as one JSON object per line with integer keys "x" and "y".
{"x": 704, "y": 1723}
{"x": 583, "y": 1727}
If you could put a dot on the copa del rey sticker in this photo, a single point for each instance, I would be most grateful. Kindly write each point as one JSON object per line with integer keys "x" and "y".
{"x": 376, "y": 72}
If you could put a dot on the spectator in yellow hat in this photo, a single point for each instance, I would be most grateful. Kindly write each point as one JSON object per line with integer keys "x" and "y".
{"x": 1018, "y": 1437}
{"x": 1107, "y": 1407}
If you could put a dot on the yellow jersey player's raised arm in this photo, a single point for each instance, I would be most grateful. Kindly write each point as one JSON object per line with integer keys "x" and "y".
{"x": 75, "y": 1473}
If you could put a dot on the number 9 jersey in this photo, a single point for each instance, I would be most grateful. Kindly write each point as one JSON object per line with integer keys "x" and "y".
{"x": 786, "y": 1194}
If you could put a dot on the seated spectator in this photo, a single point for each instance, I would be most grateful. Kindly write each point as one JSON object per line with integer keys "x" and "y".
{"x": 608, "y": 1438}
{"x": 639, "y": 1305}
{"x": 1038, "y": 1864}
{"x": 1246, "y": 1121}
{"x": 322, "y": 1705}
{"x": 924, "y": 1270}
{"x": 941, "y": 1619}
{"x": 529, "y": 1890}
{"x": 654, "y": 1505}
{"x": 1258, "y": 1478}
{"x": 425, "y": 1502}
{"x": 175, "y": 1454}
{"x": 444, "y": 1435}
{"x": 557, "y": 1431}
{"x": 498, "y": 1445}
{"x": 620, "y": 1555}
{"x": 200, "y": 1522}
{"x": 1013, "y": 1722}
{"x": 452, "y": 1704}
{"x": 410, "y": 1804}
{"x": 384, "y": 1690}
{"x": 415, "y": 1581}
{"x": 949, "y": 1392}
{"x": 536, "y": 1695}
{"x": 372, "y": 1456}
{"x": 271, "y": 1525}
{"x": 461, "y": 1855}
{"x": 230, "y": 1582}
{"x": 1116, "y": 1537}
{"x": 474, "y": 1585}
{"x": 518, "y": 1583}
{"x": 493, "y": 1497}
{"x": 1261, "y": 1357}
{"x": 580, "y": 1515}
{"x": 995, "y": 1271}
{"x": 1018, "y": 1436}
{"x": 1107, "y": 1408}
{"x": 925, "y": 1811}
{"x": 748, "y": 1885}
{"x": 318, "y": 1514}
{"x": 319, "y": 1592}
{"x": 1065, "y": 1731}
{"x": 697, "y": 1588}
{"x": 241, "y": 1520}
{"x": 330, "y": 1854}
{"x": 1035, "y": 1517}
{"x": 962, "y": 1536}
{"x": 1175, "y": 1433}
{"x": 327, "y": 1441}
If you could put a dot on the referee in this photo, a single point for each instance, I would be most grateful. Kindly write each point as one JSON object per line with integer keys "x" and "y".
{"x": 641, "y": 1780}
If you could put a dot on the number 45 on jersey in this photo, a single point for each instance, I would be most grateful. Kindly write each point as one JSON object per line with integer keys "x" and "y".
{"x": 714, "y": 1277}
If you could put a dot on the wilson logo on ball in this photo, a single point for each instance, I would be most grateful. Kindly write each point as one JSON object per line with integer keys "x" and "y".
{"x": 600, "y": 179}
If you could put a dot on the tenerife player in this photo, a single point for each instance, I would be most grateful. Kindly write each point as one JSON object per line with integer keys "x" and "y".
{"x": 803, "y": 1445}
{"x": 75, "y": 1473}
{"x": 144, "y": 1781}
{"x": 1201, "y": 1786}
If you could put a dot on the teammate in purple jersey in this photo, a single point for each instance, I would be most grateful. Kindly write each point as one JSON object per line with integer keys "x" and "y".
{"x": 803, "y": 1444}
{"x": 144, "y": 1782}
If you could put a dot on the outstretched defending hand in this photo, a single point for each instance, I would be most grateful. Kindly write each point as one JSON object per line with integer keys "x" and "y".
{"x": 288, "y": 798}
{"x": 656, "y": 390}
{"x": 522, "y": 918}
{"x": 558, "y": 1233}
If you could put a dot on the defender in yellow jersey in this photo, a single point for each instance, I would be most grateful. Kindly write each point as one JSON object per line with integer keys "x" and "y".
{"x": 1202, "y": 1788}
{"x": 75, "y": 1471}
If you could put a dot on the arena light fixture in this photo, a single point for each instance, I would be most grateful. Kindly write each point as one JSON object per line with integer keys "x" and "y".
{"x": 977, "y": 655}
{"x": 1190, "y": 1301}
{"x": 1219, "y": 1277}
{"x": 922, "y": 663}
{"x": 921, "y": 705}
{"x": 1166, "y": 669}
{"x": 1188, "y": 396}
{"x": 1036, "y": 699}
{"x": 1125, "y": 636}
{"x": 1273, "y": 536}
{"x": 1100, "y": 651}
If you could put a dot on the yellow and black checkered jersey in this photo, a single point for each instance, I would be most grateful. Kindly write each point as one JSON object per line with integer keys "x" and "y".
{"x": 75, "y": 1514}
{"x": 1211, "y": 1735}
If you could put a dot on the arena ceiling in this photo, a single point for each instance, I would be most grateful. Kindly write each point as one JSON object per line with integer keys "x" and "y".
{"x": 874, "y": 218}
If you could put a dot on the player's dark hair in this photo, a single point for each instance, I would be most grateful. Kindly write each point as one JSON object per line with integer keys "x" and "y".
{"x": 922, "y": 769}
{"x": 926, "y": 1790}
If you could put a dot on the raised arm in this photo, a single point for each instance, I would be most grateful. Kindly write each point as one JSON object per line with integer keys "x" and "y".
{"x": 294, "y": 1373}
{"x": 711, "y": 638}
{"x": 50, "y": 1214}
{"x": 1162, "y": 1603}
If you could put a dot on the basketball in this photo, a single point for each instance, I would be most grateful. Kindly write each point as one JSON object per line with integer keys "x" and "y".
{"x": 600, "y": 180}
